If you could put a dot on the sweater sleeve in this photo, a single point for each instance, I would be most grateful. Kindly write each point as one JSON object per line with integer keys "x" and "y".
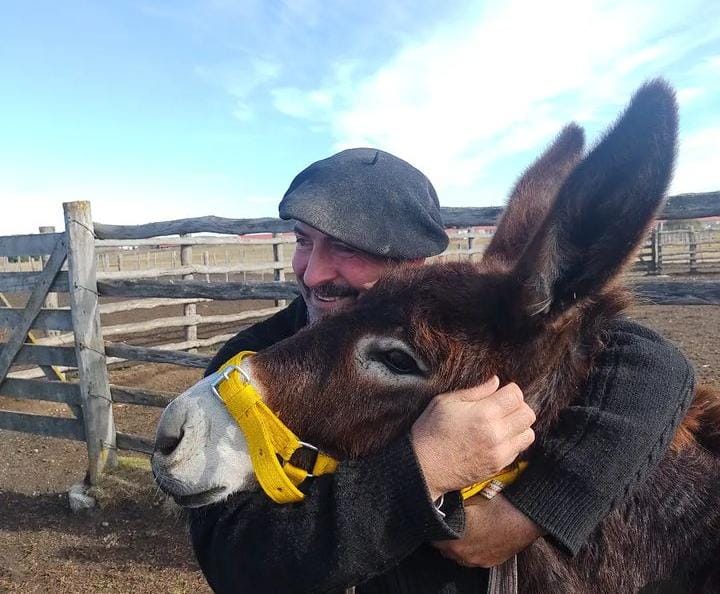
{"x": 352, "y": 525}
{"x": 610, "y": 440}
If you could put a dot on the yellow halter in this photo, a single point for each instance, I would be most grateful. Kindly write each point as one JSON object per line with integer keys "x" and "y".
{"x": 271, "y": 444}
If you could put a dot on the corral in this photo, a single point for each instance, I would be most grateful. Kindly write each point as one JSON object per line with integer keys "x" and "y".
{"x": 132, "y": 545}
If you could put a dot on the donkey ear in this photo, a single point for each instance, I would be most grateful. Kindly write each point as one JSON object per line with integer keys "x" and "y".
{"x": 603, "y": 209}
{"x": 533, "y": 195}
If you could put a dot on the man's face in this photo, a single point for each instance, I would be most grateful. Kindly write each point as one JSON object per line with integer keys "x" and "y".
{"x": 331, "y": 274}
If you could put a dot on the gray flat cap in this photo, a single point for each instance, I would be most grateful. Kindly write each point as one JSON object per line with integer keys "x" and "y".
{"x": 370, "y": 200}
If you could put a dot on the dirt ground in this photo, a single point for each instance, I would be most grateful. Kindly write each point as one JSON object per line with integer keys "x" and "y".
{"x": 132, "y": 543}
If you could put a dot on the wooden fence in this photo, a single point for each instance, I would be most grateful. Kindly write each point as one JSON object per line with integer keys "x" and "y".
{"x": 680, "y": 251}
{"x": 84, "y": 245}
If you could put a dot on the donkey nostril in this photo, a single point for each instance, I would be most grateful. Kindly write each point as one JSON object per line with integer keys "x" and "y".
{"x": 166, "y": 444}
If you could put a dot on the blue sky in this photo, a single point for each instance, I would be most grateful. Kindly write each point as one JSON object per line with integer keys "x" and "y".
{"x": 157, "y": 110}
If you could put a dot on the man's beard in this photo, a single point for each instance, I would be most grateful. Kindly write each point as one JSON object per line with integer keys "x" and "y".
{"x": 323, "y": 292}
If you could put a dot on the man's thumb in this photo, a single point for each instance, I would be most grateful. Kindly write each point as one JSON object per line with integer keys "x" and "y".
{"x": 479, "y": 392}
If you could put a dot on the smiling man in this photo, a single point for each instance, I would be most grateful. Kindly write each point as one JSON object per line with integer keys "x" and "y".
{"x": 331, "y": 274}
{"x": 394, "y": 522}
{"x": 358, "y": 213}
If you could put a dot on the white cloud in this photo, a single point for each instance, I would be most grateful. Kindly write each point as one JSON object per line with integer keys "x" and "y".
{"x": 688, "y": 94}
{"x": 299, "y": 104}
{"x": 241, "y": 81}
{"x": 464, "y": 101}
{"x": 697, "y": 166}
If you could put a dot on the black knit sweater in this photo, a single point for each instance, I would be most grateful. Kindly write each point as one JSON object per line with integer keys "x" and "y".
{"x": 369, "y": 523}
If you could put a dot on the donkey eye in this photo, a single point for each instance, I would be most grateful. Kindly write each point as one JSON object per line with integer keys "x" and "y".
{"x": 399, "y": 361}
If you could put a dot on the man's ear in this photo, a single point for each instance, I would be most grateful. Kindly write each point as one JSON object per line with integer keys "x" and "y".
{"x": 534, "y": 194}
{"x": 604, "y": 207}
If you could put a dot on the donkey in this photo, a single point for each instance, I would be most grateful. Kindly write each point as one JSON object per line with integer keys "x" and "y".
{"x": 535, "y": 310}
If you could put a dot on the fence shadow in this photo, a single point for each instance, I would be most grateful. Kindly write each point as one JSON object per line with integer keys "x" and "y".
{"x": 130, "y": 533}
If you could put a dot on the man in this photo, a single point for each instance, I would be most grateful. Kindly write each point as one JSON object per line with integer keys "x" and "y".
{"x": 393, "y": 522}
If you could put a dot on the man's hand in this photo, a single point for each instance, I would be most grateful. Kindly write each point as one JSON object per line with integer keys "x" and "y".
{"x": 466, "y": 436}
{"x": 494, "y": 531}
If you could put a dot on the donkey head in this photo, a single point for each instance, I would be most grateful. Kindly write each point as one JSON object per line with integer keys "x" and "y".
{"x": 532, "y": 311}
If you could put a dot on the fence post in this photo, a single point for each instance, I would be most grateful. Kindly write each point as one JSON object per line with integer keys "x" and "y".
{"x": 470, "y": 243}
{"x": 692, "y": 240}
{"x": 656, "y": 264}
{"x": 279, "y": 260}
{"x": 189, "y": 309}
{"x": 89, "y": 345}
{"x": 206, "y": 263}
{"x": 51, "y": 301}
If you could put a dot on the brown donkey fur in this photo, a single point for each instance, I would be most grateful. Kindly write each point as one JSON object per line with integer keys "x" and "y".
{"x": 536, "y": 310}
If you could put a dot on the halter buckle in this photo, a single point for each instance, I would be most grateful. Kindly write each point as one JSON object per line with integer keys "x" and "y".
{"x": 225, "y": 375}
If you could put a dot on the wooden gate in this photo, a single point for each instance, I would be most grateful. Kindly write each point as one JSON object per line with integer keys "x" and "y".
{"x": 89, "y": 398}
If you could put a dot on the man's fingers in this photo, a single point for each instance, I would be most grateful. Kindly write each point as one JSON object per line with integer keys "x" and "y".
{"x": 525, "y": 440}
{"x": 520, "y": 419}
{"x": 503, "y": 402}
{"x": 514, "y": 446}
{"x": 489, "y": 388}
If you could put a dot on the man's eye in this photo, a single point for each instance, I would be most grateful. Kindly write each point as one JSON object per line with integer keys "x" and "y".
{"x": 302, "y": 242}
{"x": 399, "y": 362}
{"x": 344, "y": 250}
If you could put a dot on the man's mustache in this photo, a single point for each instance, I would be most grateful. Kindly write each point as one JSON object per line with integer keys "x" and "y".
{"x": 330, "y": 290}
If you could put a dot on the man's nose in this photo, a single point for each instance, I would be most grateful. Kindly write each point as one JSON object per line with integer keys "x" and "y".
{"x": 320, "y": 268}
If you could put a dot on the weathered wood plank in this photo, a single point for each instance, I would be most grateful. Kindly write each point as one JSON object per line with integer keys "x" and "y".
{"x": 47, "y": 319}
{"x": 103, "y": 244}
{"x": 200, "y": 343}
{"x": 175, "y": 321}
{"x": 158, "y": 323}
{"x": 142, "y": 396}
{"x": 24, "y": 282}
{"x": 89, "y": 345}
{"x": 33, "y": 306}
{"x": 164, "y": 322}
{"x": 156, "y": 355}
{"x": 692, "y": 206}
{"x": 681, "y": 206}
{"x": 190, "y": 270}
{"x": 470, "y": 216}
{"x": 28, "y": 245}
{"x": 180, "y": 288}
{"x": 240, "y": 317}
{"x": 51, "y": 300}
{"x": 189, "y": 309}
{"x": 42, "y": 425}
{"x": 135, "y": 443}
{"x": 44, "y": 355}
{"x": 208, "y": 224}
{"x": 37, "y": 389}
{"x": 52, "y": 372}
{"x": 34, "y": 373}
{"x": 132, "y": 304}
{"x": 678, "y": 293}
{"x": 58, "y": 340}
{"x": 269, "y": 291}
